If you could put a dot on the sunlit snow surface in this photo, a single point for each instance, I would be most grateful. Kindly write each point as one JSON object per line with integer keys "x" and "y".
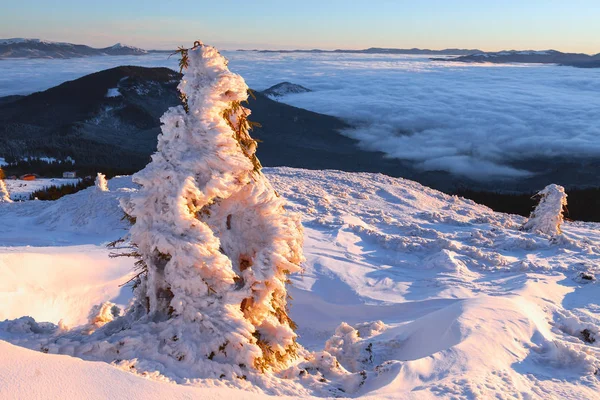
{"x": 469, "y": 306}
{"x": 470, "y": 119}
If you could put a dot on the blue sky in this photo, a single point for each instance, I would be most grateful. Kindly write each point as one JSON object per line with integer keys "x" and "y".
{"x": 569, "y": 25}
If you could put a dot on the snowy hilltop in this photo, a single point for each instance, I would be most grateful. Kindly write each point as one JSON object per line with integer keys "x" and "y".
{"x": 423, "y": 294}
{"x": 284, "y": 89}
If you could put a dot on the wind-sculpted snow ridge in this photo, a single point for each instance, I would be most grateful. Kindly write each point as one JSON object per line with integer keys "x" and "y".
{"x": 406, "y": 293}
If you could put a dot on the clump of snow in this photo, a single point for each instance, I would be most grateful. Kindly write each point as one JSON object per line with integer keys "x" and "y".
{"x": 548, "y": 215}
{"x": 28, "y": 325}
{"x": 101, "y": 183}
{"x": 102, "y": 314}
{"x": 350, "y": 346}
{"x": 113, "y": 92}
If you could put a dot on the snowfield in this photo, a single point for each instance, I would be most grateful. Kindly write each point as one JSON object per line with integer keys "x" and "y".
{"x": 20, "y": 189}
{"x": 416, "y": 293}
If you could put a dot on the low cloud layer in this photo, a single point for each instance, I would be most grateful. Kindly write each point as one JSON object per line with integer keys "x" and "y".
{"x": 470, "y": 120}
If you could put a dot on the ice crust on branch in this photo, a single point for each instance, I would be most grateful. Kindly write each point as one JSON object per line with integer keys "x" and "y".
{"x": 548, "y": 215}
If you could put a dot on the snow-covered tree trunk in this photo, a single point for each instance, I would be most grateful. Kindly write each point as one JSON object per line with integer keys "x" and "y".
{"x": 215, "y": 238}
{"x": 101, "y": 182}
{"x": 548, "y": 215}
{"x": 4, "y": 195}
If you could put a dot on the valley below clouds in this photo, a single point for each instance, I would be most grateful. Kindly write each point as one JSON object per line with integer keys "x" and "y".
{"x": 480, "y": 121}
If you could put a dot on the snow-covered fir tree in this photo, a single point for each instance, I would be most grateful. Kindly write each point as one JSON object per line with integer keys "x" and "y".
{"x": 548, "y": 215}
{"x": 101, "y": 183}
{"x": 215, "y": 241}
{"x": 4, "y": 195}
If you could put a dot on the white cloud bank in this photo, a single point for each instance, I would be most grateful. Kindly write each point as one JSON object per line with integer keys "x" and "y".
{"x": 471, "y": 120}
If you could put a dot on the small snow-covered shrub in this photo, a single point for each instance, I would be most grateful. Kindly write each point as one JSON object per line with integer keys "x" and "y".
{"x": 4, "y": 195}
{"x": 548, "y": 215}
{"x": 350, "y": 347}
{"x": 101, "y": 182}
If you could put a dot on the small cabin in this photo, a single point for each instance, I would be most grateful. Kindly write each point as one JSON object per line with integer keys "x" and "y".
{"x": 69, "y": 174}
{"x": 28, "y": 177}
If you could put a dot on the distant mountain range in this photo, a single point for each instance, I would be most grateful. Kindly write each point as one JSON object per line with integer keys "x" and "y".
{"x": 380, "y": 50}
{"x": 37, "y": 48}
{"x": 530, "y": 56}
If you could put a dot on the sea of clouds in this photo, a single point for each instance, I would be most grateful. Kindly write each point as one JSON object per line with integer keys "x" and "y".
{"x": 472, "y": 120}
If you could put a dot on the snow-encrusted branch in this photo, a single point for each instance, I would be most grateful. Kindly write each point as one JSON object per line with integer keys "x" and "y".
{"x": 548, "y": 215}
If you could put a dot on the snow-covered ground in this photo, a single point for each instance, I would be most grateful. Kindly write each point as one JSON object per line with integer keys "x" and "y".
{"x": 20, "y": 189}
{"x": 418, "y": 295}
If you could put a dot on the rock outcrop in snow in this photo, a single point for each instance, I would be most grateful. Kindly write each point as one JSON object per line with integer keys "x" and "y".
{"x": 548, "y": 215}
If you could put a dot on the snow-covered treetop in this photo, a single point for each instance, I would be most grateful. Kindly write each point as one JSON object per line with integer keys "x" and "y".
{"x": 548, "y": 215}
{"x": 101, "y": 182}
